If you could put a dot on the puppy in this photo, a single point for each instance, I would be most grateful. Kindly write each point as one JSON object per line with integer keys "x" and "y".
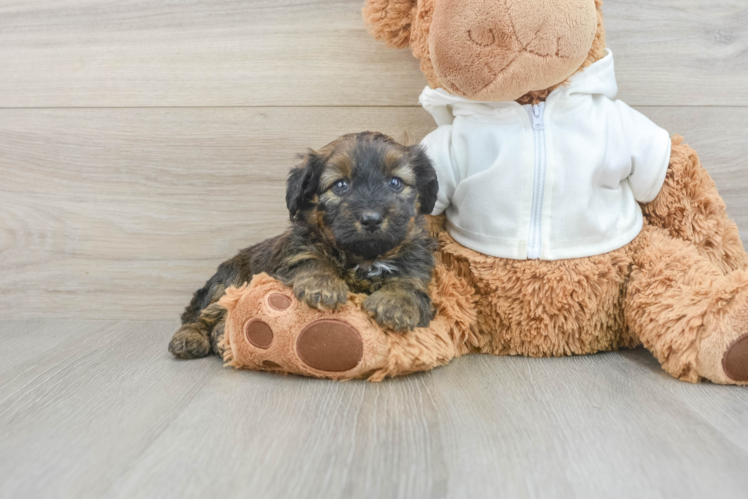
{"x": 357, "y": 210}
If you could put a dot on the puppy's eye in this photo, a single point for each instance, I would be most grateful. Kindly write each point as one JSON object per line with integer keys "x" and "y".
{"x": 340, "y": 187}
{"x": 395, "y": 184}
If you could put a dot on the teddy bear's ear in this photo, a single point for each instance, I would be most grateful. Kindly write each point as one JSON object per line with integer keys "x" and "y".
{"x": 390, "y": 20}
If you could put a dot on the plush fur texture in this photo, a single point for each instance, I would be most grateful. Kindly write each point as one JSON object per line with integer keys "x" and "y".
{"x": 680, "y": 288}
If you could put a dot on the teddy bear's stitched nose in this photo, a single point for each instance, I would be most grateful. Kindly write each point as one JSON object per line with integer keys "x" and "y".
{"x": 482, "y": 36}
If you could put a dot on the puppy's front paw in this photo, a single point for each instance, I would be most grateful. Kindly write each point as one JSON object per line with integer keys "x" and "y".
{"x": 189, "y": 343}
{"x": 393, "y": 310}
{"x": 321, "y": 291}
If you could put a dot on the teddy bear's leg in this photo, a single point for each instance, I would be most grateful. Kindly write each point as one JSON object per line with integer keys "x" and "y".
{"x": 689, "y": 207}
{"x": 268, "y": 329}
{"x": 687, "y": 312}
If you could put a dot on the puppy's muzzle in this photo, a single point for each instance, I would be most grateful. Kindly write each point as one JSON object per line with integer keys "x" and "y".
{"x": 371, "y": 221}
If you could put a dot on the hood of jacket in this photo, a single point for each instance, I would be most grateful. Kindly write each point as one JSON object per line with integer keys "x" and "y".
{"x": 598, "y": 79}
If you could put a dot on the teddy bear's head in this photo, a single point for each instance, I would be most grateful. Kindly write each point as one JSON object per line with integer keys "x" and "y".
{"x": 493, "y": 50}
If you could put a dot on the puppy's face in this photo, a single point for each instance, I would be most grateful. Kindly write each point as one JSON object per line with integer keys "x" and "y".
{"x": 363, "y": 191}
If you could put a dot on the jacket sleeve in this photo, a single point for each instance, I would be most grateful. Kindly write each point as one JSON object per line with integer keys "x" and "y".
{"x": 438, "y": 146}
{"x": 650, "y": 147}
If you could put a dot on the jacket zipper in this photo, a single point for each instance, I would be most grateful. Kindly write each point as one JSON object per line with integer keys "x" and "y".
{"x": 537, "y": 113}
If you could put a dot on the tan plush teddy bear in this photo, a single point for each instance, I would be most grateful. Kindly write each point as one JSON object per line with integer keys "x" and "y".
{"x": 568, "y": 222}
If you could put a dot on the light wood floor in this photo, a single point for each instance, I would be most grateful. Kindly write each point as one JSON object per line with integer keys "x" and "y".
{"x": 99, "y": 408}
{"x": 144, "y": 142}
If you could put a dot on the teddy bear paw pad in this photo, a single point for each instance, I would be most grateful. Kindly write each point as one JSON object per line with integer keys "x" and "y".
{"x": 330, "y": 345}
{"x": 278, "y": 302}
{"x": 258, "y": 333}
{"x": 735, "y": 362}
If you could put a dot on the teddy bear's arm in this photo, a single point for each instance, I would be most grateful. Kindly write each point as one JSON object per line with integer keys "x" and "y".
{"x": 649, "y": 147}
{"x": 690, "y": 208}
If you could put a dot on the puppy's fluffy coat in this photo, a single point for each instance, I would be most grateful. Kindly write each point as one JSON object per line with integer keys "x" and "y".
{"x": 357, "y": 209}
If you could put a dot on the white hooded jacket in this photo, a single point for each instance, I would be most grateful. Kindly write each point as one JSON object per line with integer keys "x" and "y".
{"x": 555, "y": 181}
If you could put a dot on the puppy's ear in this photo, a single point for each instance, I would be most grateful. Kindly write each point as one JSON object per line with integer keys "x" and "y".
{"x": 303, "y": 182}
{"x": 427, "y": 184}
{"x": 390, "y": 20}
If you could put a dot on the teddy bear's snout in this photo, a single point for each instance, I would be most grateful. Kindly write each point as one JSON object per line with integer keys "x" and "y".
{"x": 500, "y": 50}
{"x": 469, "y": 51}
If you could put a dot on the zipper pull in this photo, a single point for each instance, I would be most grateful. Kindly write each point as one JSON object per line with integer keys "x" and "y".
{"x": 538, "y": 121}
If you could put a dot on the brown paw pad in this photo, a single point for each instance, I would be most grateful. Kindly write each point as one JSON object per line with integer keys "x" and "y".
{"x": 330, "y": 345}
{"x": 258, "y": 333}
{"x": 735, "y": 362}
{"x": 278, "y": 302}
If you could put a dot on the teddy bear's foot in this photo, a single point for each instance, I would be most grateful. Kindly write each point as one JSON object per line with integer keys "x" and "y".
{"x": 723, "y": 351}
{"x": 687, "y": 312}
{"x": 268, "y": 329}
{"x": 735, "y": 360}
{"x": 724, "y": 361}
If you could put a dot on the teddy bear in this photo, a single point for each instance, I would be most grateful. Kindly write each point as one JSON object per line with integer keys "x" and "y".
{"x": 567, "y": 222}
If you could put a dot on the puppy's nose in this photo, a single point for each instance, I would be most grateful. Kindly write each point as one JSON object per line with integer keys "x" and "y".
{"x": 371, "y": 221}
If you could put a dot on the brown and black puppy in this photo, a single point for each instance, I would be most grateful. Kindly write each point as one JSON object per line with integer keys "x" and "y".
{"x": 357, "y": 209}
